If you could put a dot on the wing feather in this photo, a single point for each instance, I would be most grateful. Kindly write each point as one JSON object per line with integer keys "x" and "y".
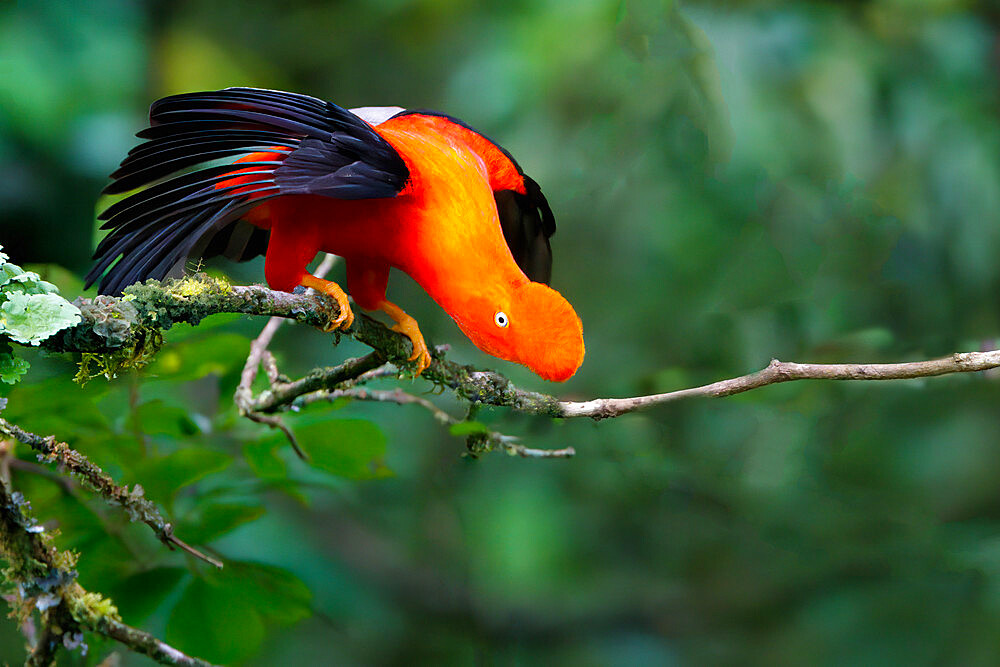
{"x": 189, "y": 203}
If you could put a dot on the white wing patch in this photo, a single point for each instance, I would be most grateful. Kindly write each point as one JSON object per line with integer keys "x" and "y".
{"x": 376, "y": 115}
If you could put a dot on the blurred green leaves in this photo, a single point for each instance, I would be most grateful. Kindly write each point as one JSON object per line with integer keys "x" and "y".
{"x": 733, "y": 181}
{"x": 213, "y": 520}
{"x": 223, "y": 615}
{"x": 204, "y": 355}
{"x": 52, "y": 52}
{"x": 168, "y": 474}
{"x": 351, "y": 448}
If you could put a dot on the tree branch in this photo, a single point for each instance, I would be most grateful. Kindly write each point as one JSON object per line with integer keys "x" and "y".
{"x": 479, "y": 441}
{"x": 159, "y": 306}
{"x": 787, "y": 371}
{"x": 46, "y": 581}
{"x": 91, "y": 476}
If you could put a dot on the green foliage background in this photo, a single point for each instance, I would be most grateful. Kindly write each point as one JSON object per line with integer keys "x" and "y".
{"x": 733, "y": 181}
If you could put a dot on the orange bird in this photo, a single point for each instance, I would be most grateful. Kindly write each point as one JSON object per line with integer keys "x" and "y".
{"x": 242, "y": 172}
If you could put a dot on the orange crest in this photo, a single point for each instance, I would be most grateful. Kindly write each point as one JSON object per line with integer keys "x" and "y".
{"x": 550, "y": 334}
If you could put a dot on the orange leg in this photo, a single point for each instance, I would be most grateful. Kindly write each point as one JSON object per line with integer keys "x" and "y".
{"x": 332, "y": 289}
{"x": 407, "y": 326}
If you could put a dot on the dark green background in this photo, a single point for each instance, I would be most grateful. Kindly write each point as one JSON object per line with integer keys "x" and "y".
{"x": 733, "y": 181}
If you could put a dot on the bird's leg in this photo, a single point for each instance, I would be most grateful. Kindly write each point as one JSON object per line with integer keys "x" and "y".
{"x": 407, "y": 326}
{"x": 346, "y": 317}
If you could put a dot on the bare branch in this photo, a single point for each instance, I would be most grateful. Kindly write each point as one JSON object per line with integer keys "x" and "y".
{"x": 261, "y": 356}
{"x": 260, "y": 344}
{"x": 479, "y": 441}
{"x": 147, "y": 644}
{"x": 282, "y": 394}
{"x": 787, "y": 371}
{"x": 532, "y": 453}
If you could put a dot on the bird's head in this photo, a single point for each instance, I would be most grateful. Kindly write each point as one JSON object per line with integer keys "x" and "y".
{"x": 529, "y": 324}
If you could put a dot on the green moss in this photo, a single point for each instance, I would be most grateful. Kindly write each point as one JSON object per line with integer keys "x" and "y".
{"x": 143, "y": 345}
{"x": 197, "y": 285}
{"x": 89, "y": 609}
{"x": 189, "y": 299}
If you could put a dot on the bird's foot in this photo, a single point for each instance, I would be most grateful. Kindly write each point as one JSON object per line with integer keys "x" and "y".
{"x": 407, "y": 326}
{"x": 345, "y": 318}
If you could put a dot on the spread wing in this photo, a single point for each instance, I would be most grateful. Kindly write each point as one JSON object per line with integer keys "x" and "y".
{"x": 272, "y": 143}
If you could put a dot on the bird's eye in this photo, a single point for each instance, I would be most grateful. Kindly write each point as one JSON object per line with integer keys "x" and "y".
{"x": 501, "y": 319}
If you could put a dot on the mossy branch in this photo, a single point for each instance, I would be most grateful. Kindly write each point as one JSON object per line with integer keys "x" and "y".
{"x": 158, "y": 306}
{"x": 137, "y": 507}
{"x": 45, "y": 581}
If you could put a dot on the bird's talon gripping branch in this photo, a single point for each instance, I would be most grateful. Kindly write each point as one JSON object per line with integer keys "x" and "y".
{"x": 407, "y": 326}
{"x": 345, "y": 319}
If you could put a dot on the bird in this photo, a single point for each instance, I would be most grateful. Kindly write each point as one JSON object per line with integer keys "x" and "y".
{"x": 242, "y": 172}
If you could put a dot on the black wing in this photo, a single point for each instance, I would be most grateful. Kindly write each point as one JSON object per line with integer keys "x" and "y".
{"x": 528, "y": 223}
{"x": 183, "y": 212}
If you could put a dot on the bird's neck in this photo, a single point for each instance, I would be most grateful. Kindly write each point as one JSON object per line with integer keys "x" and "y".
{"x": 452, "y": 245}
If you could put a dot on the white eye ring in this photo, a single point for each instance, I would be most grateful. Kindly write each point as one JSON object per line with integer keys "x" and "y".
{"x": 500, "y": 319}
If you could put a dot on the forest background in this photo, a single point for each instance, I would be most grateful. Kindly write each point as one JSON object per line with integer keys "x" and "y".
{"x": 732, "y": 181}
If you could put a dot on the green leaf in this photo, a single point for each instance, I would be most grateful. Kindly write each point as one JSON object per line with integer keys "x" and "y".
{"x": 279, "y": 595}
{"x": 31, "y": 318}
{"x": 263, "y": 459}
{"x": 221, "y": 617}
{"x": 194, "y": 359}
{"x": 468, "y": 428}
{"x": 139, "y": 595}
{"x": 12, "y": 368}
{"x": 166, "y": 475}
{"x": 157, "y": 418}
{"x": 212, "y": 521}
{"x": 217, "y": 620}
{"x": 352, "y": 448}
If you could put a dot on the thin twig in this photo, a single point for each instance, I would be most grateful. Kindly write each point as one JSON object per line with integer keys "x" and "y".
{"x": 479, "y": 441}
{"x": 283, "y": 393}
{"x": 397, "y": 396}
{"x": 787, "y": 371}
{"x": 260, "y": 344}
{"x": 531, "y": 453}
{"x": 171, "y": 539}
{"x": 261, "y": 356}
{"x": 275, "y": 421}
{"x": 91, "y": 476}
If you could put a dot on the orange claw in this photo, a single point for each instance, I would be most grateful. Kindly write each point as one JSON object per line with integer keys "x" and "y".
{"x": 407, "y": 326}
{"x": 346, "y": 317}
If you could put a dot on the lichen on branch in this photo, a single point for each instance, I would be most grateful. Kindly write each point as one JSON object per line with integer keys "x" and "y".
{"x": 45, "y": 582}
{"x": 132, "y": 501}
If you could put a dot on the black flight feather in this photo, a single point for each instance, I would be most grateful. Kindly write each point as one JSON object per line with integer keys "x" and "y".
{"x": 181, "y": 213}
